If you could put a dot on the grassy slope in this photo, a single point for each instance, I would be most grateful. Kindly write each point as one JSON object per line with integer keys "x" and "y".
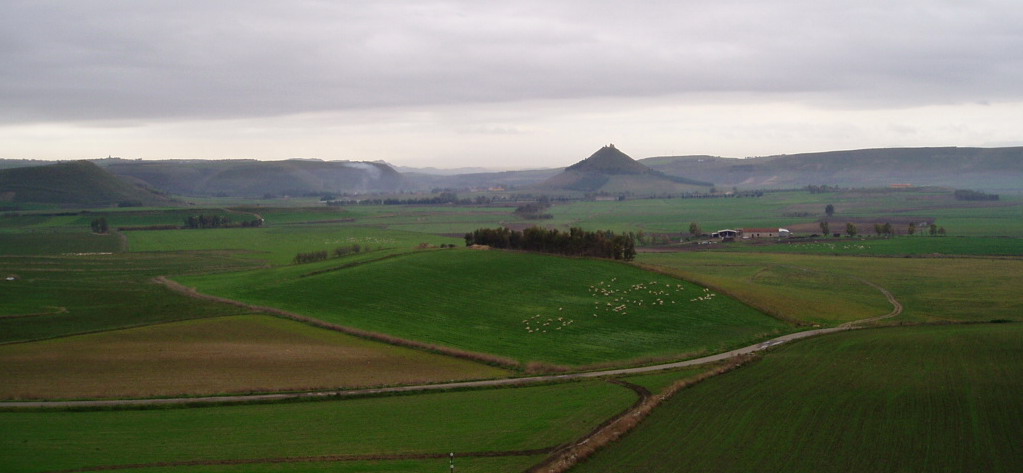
{"x": 78, "y": 294}
{"x": 931, "y": 289}
{"x": 79, "y": 183}
{"x": 488, "y": 301}
{"x": 469, "y": 421}
{"x": 930, "y": 398}
{"x": 798, "y": 290}
{"x": 225, "y": 354}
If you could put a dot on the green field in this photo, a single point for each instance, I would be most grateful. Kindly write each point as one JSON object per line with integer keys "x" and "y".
{"x": 794, "y": 208}
{"x": 279, "y": 244}
{"x": 64, "y": 295}
{"x": 824, "y": 289}
{"x": 463, "y": 464}
{"x": 876, "y": 246}
{"x": 216, "y": 355}
{"x": 524, "y": 306}
{"x": 918, "y": 399}
{"x": 464, "y": 422}
{"x": 57, "y": 242}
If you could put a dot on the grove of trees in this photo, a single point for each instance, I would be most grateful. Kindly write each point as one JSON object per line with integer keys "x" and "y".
{"x": 206, "y": 221}
{"x": 574, "y": 242}
{"x": 100, "y": 225}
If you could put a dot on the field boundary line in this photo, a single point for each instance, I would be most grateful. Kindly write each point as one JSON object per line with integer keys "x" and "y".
{"x": 485, "y": 358}
{"x": 313, "y": 459}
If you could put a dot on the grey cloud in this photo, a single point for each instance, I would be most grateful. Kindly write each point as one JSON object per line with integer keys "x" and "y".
{"x": 112, "y": 60}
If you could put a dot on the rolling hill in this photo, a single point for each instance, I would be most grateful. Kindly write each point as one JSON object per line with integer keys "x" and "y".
{"x": 969, "y": 168}
{"x": 251, "y": 178}
{"x": 72, "y": 183}
{"x": 610, "y": 170}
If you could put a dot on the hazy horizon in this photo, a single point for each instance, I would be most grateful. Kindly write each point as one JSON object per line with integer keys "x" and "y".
{"x": 451, "y": 84}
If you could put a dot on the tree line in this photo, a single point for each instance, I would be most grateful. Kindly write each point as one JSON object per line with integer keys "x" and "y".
{"x": 574, "y": 242}
{"x": 963, "y": 194}
{"x": 217, "y": 221}
{"x": 322, "y": 255}
{"x": 534, "y": 210}
{"x": 886, "y": 229}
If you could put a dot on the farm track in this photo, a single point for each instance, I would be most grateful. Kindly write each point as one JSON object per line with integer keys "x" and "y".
{"x": 57, "y": 310}
{"x": 896, "y": 307}
{"x": 491, "y": 383}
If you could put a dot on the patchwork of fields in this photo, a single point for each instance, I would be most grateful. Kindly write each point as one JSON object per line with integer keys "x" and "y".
{"x": 82, "y": 318}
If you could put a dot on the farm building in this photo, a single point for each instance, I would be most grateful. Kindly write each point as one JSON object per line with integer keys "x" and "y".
{"x": 747, "y": 233}
{"x": 727, "y": 235}
{"x": 764, "y": 233}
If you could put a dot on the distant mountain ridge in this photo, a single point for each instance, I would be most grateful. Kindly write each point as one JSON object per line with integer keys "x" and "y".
{"x": 972, "y": 168}
{"x": 607, "y": 170}
{"x": 79, "y": 183}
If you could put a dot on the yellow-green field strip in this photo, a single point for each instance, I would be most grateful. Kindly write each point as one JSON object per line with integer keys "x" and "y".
{"x": 427, "y": 387}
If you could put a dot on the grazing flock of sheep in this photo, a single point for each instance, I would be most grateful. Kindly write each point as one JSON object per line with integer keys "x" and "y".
{"x": 610, "y": 298}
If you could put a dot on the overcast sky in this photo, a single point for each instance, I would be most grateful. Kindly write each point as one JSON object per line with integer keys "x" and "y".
{"x": 504, "y": 84}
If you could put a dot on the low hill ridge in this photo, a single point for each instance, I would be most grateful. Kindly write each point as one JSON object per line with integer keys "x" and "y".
{"x": 973, "y": 168}
{"x": 72, "y": 183}
{"x": 252, "y": 178}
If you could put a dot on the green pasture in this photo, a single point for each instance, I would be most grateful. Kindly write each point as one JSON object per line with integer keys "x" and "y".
{"x": 524, "y": 306}
{"x": 36, "y": 222}
{"x": 464, "y": 422}
{"x": 57, "y": 242}
{"x": 279, "y": 244}
{"x": 674, "y": 215}
{"x": 63, "y": 295}
{"x": 921, "y": 399}
{"x": 808, "y": 293}
{"x": 784, "y": 209}
{"x": 463, "y": 464}
{"x": 919, "y": 245}
{"x": 826, "y": 289}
